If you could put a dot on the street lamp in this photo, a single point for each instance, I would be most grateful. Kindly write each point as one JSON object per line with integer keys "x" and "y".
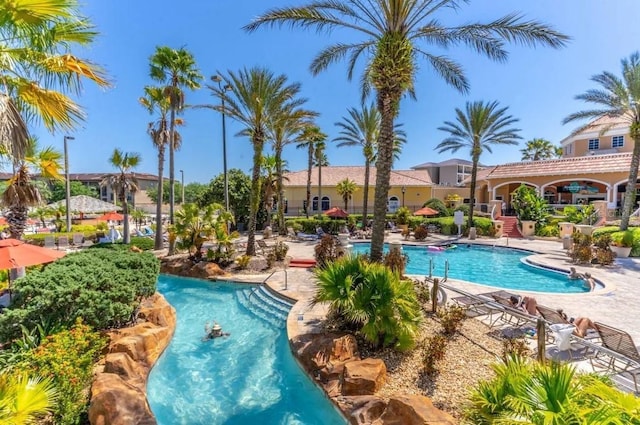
{"x": 67, "y": 184}
{"x": 218, "y": 79}
{"x": 403, "y": 189}
{"x": 182, "y": 183}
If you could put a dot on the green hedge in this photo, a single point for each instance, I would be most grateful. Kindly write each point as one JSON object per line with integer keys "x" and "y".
{"x": 484, "y": 226}
{"x": 144, "y": 243}
{"x": 309, "y": 225}
{"x": 102, "y": 286}
{"x": 616, "y": 234}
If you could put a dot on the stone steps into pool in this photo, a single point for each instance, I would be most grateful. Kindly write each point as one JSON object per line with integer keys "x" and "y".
{"x": 260, "y": 301}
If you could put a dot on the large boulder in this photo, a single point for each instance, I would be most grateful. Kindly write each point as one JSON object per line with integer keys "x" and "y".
{"x": 362, "y": 410}
{"x": 158, "y": 311}
{"x": 125, "y": 367}
{"x": 145, "y": 344}
{"x": 115, "y": 402}
{"x": 316, "y": 351}
{"x": 363, "y": 377}
{"x": 414, "y": 410}
{"x": 181, "y": 265}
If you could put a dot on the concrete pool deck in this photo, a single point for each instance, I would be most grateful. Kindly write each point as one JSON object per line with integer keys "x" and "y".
{"x": 615, "y": 305}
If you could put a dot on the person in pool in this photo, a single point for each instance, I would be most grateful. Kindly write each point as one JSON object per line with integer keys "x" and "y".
{"x": 573, "y": 274}
{"x": 214, "y": 331}
{"x": 589, "y": 281}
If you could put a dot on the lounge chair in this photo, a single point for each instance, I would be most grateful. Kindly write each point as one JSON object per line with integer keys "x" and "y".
{"x": 50, "y": 242}
{"x": 77, "y": 239}
{"x": 63, "y": 242}
{"x": 553, "y": 317}
{"x": 624, "y": 357}
{"x": 511, "y": 315}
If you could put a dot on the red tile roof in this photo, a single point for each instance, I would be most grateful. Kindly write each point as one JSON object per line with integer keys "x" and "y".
{"x": 331, "y": 175}
{"x": 593, "y": 164}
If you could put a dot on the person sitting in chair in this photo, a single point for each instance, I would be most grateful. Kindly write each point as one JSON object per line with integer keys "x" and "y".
{"x": 527, "y": 304}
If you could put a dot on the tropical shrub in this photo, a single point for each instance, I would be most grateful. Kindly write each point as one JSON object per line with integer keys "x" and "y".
{"x": 327, "y": 251}
{"x": 514, "y": 347}
{"x": 549, "y": 230}
{"x": 396, "y": 260}
{"x": 402, "y": 216}
{"x": 437, "y": 205}
{"x": 280, "y": 250}
{"x": 195, "y": 225}
{"x": 243, "y": 261}
{"x": 104, "y": 287}
{"x": 309, "y": 225}
{"x": 523, "y": 391}
{"x": 25, "y": 399}
{"x": 451, "y": 318}
{"x": 435, "y": 348}
{"x": 67, "y": 359}
{"x": 581, "y": 251}
{"x": 602, "y": 252}
{"x": 420, "y": 233}
{"x": 529, "y": 206}
{"x": 632, "y": 234}
{"x": 145, "y": 244}
{"x": 371, "y": 298}
{"x": 462, "y": 207}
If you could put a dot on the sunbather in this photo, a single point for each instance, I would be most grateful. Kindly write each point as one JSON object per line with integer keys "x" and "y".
{"x": 526, "y": 304}
{"x": 582, "y": 324}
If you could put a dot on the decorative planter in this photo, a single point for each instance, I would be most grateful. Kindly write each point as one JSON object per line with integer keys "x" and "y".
{"x": 528, "y": 228}
{"x": 585, "y": 229}
{"x": 498, "y": 226}
{"x": 402, "y": 227}
{"x": 566, "y": 229}
{"x": 621, "y": 251}
{"x": 343, "y": 238}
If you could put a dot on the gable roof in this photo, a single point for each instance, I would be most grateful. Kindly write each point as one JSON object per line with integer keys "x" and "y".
{"x": 596, "y": 126}
{"x": 592, "y": 164}
{"x": 332, "y": 175}
{"x": 452, "y": 161}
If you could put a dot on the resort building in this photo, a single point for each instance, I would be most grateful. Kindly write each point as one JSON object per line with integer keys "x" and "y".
{"x": 452, "y": 172}
{"x": 601, "y": 137}
{"x": 139, "y": 199}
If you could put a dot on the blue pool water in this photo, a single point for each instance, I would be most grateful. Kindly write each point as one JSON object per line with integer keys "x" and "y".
{"x": 249, "y": 377}
{"x": 501, "y": 267}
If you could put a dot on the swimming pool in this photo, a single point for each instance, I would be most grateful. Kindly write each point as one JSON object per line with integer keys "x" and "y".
{"x": 246, "y": 378}
{"x": 495, "y": 266}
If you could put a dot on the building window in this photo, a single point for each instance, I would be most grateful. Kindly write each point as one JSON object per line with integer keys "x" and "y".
{"x": 594, "y": 144}
{"x": 314, "y": 204}
{"x": 326, "y": 203}
{"x": 617, "y": 141}
{"x": 393, "y": 204}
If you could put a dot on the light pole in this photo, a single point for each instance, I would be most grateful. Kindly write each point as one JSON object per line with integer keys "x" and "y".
{"x": 218, "y": 79}
{"x": 67, "y": 184}
{"x": 182, "y": 183}
{"x": 403, "y": 189}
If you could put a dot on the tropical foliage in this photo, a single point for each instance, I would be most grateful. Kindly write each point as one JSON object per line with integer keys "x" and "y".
{"x": 194, "y": 226}
{"x": 618, "y": 97}
{"x": 58, "y": 191}
{"x": 479, "y": 127}
{"x": 346, "y": 188}
{"x": 528, "y": 392}
{"x": 310, "y": 137}
{"x": 23, "y": 400}
{"x": 239, "y": 194}
{"x": 537, "y": 149}
{"x": 530, "y": 206}
{"x": 372, "y": 299}
{"x": 392, "y": 39}
{"x": 123, "y": 183}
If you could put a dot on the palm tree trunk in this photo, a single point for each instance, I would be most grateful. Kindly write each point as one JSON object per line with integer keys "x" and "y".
{"x": 383, "y": 171}
{"x": 320, "y": 187}
{"x": 126, "y": 237}
{"x": 159, "y": 243}
{"x": 255, "y": 196}
{"x": 474, "y": 173}
{"x": 172, "y": 143}
{"x": 280, "y": 191}
{"x": 630, "y": 194}
{"x": 365, "y": 196}
{"x": 309, "y": 170}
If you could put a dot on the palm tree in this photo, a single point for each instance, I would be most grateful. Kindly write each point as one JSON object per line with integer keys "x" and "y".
{"x": 156, "y": 102}
{"x": 39, "y": 69}
{"x": 618, "y": 98}
{"x": 285, "y": 129}
{"x": 123, "y": 183}
{"x": 176, "y": 69}
{"x": 392, "y": 31}
{"x": 24, "y": 400}
{"x": 346, "y": 189}
{"x": 362, "y": 128}
{"x": 479, "y": 127}
{"x": 22, "y": 192}
{"x": 269, "y": 184}
{"x": 537, "y": 149}
{"x": 311, "y": 135}
{"x": 320, "y": 160}
{"x": 256, "y": 97}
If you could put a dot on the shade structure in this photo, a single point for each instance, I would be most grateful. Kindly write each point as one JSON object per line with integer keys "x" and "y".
{"x": 111, "y": 216}
{"x": 15, "y": 254}
{"x": 336, "y": 212}
{"x": 426, "y": 211}
{"x": 86, "y": 205}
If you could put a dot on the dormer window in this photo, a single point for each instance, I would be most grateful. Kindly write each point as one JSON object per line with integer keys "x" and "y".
{"x": 594, "y": 144}
{"x": 617, "y": 141}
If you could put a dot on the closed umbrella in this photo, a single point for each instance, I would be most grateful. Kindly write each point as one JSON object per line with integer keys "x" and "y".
{"x": 426, "y": 211}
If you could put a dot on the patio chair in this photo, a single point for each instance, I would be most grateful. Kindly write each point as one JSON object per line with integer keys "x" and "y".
{"x": 50, "y": 242}
{"x": 63, "y": 242}
{"x": 78, "y": 239}
{"x": 625, "y": 358}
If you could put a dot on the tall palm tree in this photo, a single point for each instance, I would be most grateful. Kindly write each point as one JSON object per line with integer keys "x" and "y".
{"x": 311, "y": 135}
{"x": 618, "y": 97}
{"x": 283, "y": 130}
{"x": 256, "y": 96}
{"x": 362, "y": 128}
{"x": 22, "y": 192}
{"x": 392, "y": 31}
{"x": 176, "y": 69}
{"x": 346, "y": 188}
{"x": 537, "y": 149}
{"x": 269, "y": 183}
{"x": 38, "y": 68}
{"x": 480, "y": 126}
{"x": 157, "y": 102}
{"x": 320, "y": 160}
{"x": 123, "y": 183}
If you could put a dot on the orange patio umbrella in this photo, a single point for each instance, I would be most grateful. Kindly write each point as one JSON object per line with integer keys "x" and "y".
{"x": 111, "y": 216}
{"x": 336, "y": 212}
{"x": 15, "y": 254}
{"x": 426, "y": 211}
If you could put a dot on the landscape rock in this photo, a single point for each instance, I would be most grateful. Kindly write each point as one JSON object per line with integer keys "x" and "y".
{"x": 125, "y": 367}
{"x": 115, "y": 402}
{"x": 316, "y": 351}
{"x": 361, "y": 410}
{"x": 181, "y": 265}
{"x": 414, "y": 410}
{"x": 364, "y": 377}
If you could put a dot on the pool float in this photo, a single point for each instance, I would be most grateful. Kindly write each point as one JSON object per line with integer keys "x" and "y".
{"x": 452, "y": 246}
{"x": 435, "y": 248}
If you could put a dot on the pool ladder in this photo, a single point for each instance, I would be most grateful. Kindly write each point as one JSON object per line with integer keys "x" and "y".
{"x": 446, "y": 270}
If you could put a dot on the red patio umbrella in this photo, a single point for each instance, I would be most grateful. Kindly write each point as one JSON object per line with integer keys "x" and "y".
{"x": 15, "y": 254}
{"x": 111, "y": 216}
{"x": 336, "y": 212}
{"x": 426, "y": 211}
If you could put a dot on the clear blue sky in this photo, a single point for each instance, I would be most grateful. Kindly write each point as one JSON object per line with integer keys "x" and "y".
{"x": 538, "y": 85}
